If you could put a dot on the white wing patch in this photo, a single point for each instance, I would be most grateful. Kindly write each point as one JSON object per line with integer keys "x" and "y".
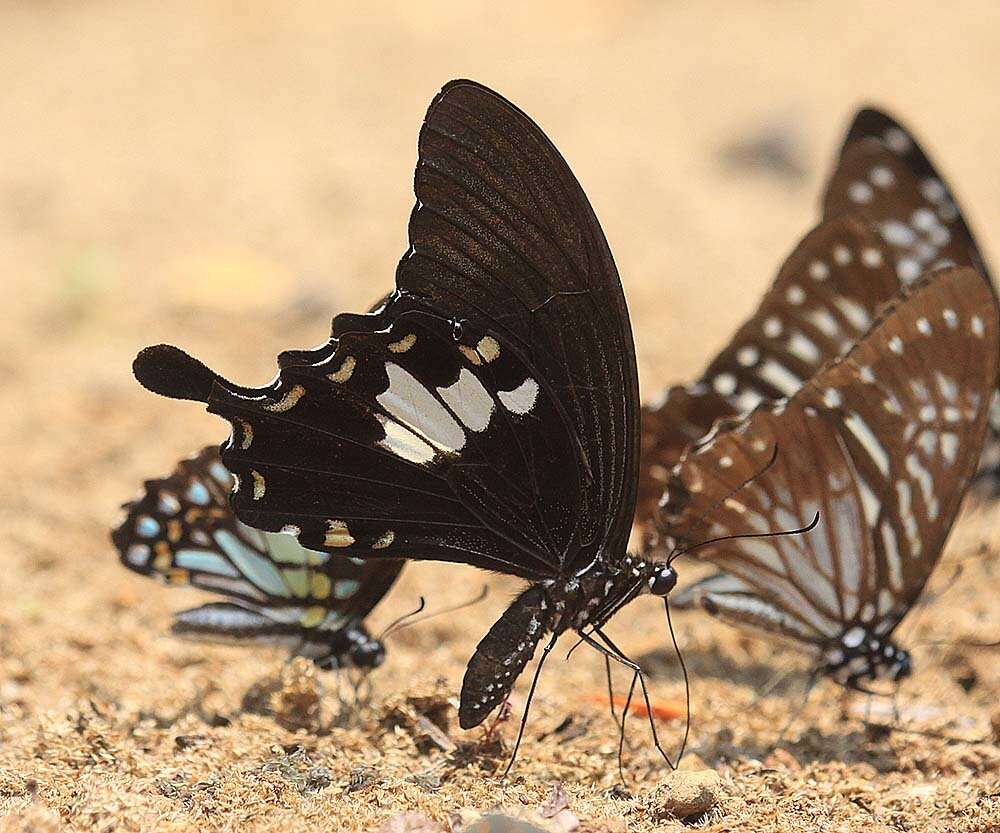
{"x": 409, "y": 402}
{"x": 469, "y": 400}
{"x": 522, "y": 399}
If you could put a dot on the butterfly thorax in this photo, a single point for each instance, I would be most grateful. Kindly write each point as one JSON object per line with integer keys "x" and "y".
{"x": 860, "y": 657}
{"x": 592, "y": 597}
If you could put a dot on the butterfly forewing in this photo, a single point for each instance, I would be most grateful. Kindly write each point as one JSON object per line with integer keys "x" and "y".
{"x": 182, "y": 529}
{"x": 885, "y": 174}
{"x": 881, "y": 444}
{"x": 826, "y": 296}
{"x": 487, "y": 413}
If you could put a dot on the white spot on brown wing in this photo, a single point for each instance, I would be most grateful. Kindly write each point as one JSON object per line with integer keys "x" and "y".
{"x": 337, "y": 534}
{"x": 881, "y": 177}
{"x": 748, "y": 355}
{"x": 860, "y": 192}
{"x": 522, "y": 399}
{"x": 897, "y": 233}
{"x": 894, "y": 563}
{"x": 842, "y": 255}
{"x": 856, "y": 314}
{"x": 344, "y": 373}
{"x": 803, "y": 348}
{"x": 951, "y": 413}
{"x": 795, "y": 294}
{"x": 924, "y": 219}
{"x": 772, "y": 326}
{"x": 384, "y": 540}
{"x": 287, "y": 402}
{"x": 908, "y": 269}
{"x": 824, "y": 322}
{"x": 866, "y": 375}
{"x": 949, "y": 446}
{"x": 924, "y": 326}
{"x": 871, "y": 257}
{"x": 724, "y": 384}
{"x": 258, "y": 484}
{"x": 896, "y": 140}
{"x": 725, "y": 462}
{"x": 933, "y": 190}
{"x": 818, "y": 270}
{"x": 896, "y": 345}
{"x": 779, "y": 377}
{"x": 832, "y": 398}
{"x": 469, "y": 400}
{"x": 977, "y": 326}
{"x": 950, "y": 318}
{"x": 404, "y": 344}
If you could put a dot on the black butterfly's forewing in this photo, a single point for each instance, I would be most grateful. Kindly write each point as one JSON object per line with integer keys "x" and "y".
{"x": 826, "y": 295}
{"x": 488, "y": 413}
{"x": 882, "y": 444}
{"x": 182, "y": 529}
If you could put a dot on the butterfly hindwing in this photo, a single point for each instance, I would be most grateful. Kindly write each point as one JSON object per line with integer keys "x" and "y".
{"x": 182, "y": 529}
{"x": 880, "y": 444}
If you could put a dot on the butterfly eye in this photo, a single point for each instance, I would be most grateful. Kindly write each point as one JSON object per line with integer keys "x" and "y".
{"x": 663, "y": 581}
{"x": 368, "y": 654}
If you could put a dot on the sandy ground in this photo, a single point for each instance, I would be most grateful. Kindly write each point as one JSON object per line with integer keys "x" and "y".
{"x": 228, "y": 178}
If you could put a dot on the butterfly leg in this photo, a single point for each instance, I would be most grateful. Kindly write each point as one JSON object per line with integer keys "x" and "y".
{"x": 527, "y": 706}
{"x": 611, "y": 691}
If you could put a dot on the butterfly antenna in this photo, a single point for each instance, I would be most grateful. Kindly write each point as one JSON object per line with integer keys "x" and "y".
{"x": 402, "y": 622}
{"x": 807, "y": 528}
{"x": 396, "y": 623}
{"x": 707, "y": 513}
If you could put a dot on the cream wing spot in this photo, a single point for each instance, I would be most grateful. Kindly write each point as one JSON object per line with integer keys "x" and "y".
{"x": 384, "y": 540}
{"x": 521, "y": 400}
{"x": 724, "y": 384}
{"x": 287, "y": 402}
{"x": 489, "y": 348}
{"x": 258, "y": 484}
{"x": 772, "y": 327}
{"x": 818, "y": 270}
{"x": 748, "y": 355}
{"x": 871, "y": 258}
{"x": 344, "y": 373}
{"x": 860, "y": 192}
{"x": 404, "y": 344}
{"x": 337, "y": 534}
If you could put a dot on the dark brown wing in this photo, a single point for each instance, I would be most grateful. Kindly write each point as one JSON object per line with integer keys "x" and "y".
{"x": 882, "y": 444}
{"x": 825, "y": 297}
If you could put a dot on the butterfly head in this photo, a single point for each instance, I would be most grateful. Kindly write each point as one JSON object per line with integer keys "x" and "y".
{"x": 662, "y": 580}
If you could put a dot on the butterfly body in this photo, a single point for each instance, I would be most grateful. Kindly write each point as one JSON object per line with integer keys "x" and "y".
{"x": 553, "y": 607}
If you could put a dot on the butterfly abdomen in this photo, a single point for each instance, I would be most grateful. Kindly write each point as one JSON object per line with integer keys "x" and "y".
{"x": 502, "y": 654}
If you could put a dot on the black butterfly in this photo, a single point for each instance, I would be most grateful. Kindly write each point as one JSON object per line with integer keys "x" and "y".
{"x": 182, "y": 529}
{"x": 486, "y": 414}
{"x": 882, "y": 444}
{"x": 888, "y": 217}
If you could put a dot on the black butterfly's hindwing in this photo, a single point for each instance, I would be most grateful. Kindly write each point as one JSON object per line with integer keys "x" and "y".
{"x": 182, "y": 529}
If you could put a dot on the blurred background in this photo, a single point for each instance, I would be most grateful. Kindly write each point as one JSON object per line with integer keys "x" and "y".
{"x": 227, "y": 176}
